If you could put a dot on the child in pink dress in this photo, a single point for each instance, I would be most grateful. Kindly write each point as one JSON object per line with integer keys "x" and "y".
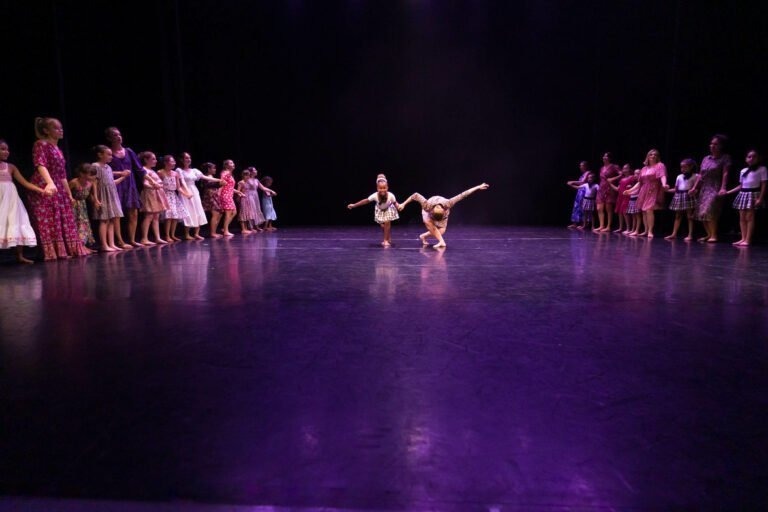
{"x": 153, "y": 200}
{"x": 626, "y": 180}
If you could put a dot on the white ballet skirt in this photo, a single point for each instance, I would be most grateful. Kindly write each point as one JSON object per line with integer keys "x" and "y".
{"x": 15, "y": 228}
{"x": 195, "y": 214}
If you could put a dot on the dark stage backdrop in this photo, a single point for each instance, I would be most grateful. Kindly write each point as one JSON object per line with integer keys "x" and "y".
{"x": 439, "y": 95}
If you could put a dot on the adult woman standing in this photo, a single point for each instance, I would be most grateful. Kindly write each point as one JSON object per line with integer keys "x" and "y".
{"x": 606, "y": 195}
{"x": 52, "y": 211}
{"x": 125, "y": 163}
{"x": 713, "y": 176}
{"x": 652, "y": 184}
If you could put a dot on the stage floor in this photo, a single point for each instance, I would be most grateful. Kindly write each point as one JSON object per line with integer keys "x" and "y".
{"x": 310, "y": 369}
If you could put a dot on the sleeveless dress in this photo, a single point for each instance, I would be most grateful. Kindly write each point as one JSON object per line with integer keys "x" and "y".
{"x": 110, "y": 200}
{"x": 267, "y": 208}
{"x": 193, "y": 205}
{"x": 15, "y": 228}
{"x": 81, "y": 193}
{"x": 53, "y": 216}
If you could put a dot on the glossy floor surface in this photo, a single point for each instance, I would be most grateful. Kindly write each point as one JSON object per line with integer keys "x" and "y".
{"x": 311, "y": 369}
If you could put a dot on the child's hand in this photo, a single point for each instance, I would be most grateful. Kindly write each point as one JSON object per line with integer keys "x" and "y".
{"x": 400, "y": 207}
{"x": 350, "y": 206}
{"x": 484, "y": 186}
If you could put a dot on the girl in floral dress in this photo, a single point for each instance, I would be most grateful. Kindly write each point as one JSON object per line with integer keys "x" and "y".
{"x": 225, "y": 204}
{"x": 82, "y": 188}
{"x": 247, "y": 213}
{"x": 107, "y": 207}
{"x": 174, "y": 190}
{"x": 52, "y": 212}
{"x": 153, "y": 200}
{"x": 15, "y": 228}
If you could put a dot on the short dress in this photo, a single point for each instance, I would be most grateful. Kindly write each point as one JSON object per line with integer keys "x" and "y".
{"x": 110, "y": 200}
{"x": 622, "y": 201}
{"x": 605, "y": 192}
{"x": 81, "y": 193}
{"x": 226, "y": 201}
{"x": 590, "y": 194}
{"x": 268, "y": 208}
{"x": 386, "y": 210}
{"x": 651, "y": 194}
{"x": 176, "y": 209}
{"x": 210, "y": 197}
{"x": 751, "y": 181}
{"x": 153, "y": 200}
{"x": 15, "y": 227}
{"x": 682, "y": 200}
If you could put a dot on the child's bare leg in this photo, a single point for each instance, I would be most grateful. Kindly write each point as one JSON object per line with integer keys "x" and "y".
{"x": 608, "y": 216}
{"x": 675, "y": 226}
{"x": 133, "y": 221}
{"x": 174, "y": 223}
{"x": 215, "y": 218}
{"x": 386, "y": 227}
{"x": 196, "y": 233}
{"x": 104, "y": 244}
{"x": 228, "y": 215}
{"x": 750, "y": 219}
{"x": 156, "y": 228}
{"x": 20, "y": 255}
{"x": 187, "y": 234}
{"x": 119, "y": 233}
{"x": 689, "y": 214}
{"x": 244, "y": 227}
{"x": 601, "y": 215}
{"x": 145, "y": 222}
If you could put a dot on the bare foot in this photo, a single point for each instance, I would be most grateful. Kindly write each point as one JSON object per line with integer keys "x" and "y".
{"x": 161, "y": 241}
{"x": 189, "y": 237}
{"x": 740, "y": 242}
{"x": 227, "y": 234}
{"x": 386, "y": 244}
{"x": 571, "y": 226}
{"x": 670, "y": 237}
{"x": 618, "y": 230}
{"x": 198, "y": 237}
{"x": 215, "y": 235}
{"x": 107, "y": 249}
{"x": 702, "y": 239}
{"x": 649, "y": 235}
{"x": 246, "y": 231}
{"x": 135, "y": 244}
{"x": 176, "y": 239}
{"x": 423, "y": 239}
{"x": 439, "y": 245}
{"x": 688, "y": 239}
{"x": 711, "y": 240}
{"x": 22, "y": 259}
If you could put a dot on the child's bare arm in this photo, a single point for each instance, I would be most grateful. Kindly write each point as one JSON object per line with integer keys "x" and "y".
{"x": 359, "y": 203}
{"x": 23, "y": 181}
{"x": 455, "y": 199}
{"x": 413, "y": 197}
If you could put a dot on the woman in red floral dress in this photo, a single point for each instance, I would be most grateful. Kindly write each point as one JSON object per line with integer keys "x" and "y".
{"x": 52, "y": 211}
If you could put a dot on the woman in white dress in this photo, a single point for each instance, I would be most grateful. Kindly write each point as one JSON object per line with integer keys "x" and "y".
{"x": 195, "y": 213}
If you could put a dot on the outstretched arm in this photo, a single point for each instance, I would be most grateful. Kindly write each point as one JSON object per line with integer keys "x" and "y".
{"x": 414, "y": 197}
{"x": 359, "y": 203}
{"x": 452, "y": 201}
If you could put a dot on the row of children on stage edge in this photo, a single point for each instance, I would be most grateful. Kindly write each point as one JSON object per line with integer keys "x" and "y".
{"x": 635, "y": 195}
{"x": 434, "y": 211}
{"x": 120, "y": 184}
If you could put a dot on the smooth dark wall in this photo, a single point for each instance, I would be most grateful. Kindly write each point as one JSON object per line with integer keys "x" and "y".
{"x": 438, "y": 95}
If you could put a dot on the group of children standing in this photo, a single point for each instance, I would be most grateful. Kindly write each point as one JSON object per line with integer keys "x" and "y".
{"x": 119, "y": 184}
{"x": 434, "y": 211}
{"x": 697, "y": 194}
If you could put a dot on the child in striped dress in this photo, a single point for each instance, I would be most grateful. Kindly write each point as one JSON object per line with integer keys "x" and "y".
{"x": 386, "y": 208}
{"x": 683, "y": 201}
{"x": 751, "y": 195}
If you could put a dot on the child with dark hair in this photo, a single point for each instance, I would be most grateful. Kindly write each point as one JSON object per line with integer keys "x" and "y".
{"x": 82, "y": 187}
{"x": 386, "y": 208}
{"x": 751, "y": 195}
{"x": 15, "y": 228}
{"x": 683, "y": 201}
